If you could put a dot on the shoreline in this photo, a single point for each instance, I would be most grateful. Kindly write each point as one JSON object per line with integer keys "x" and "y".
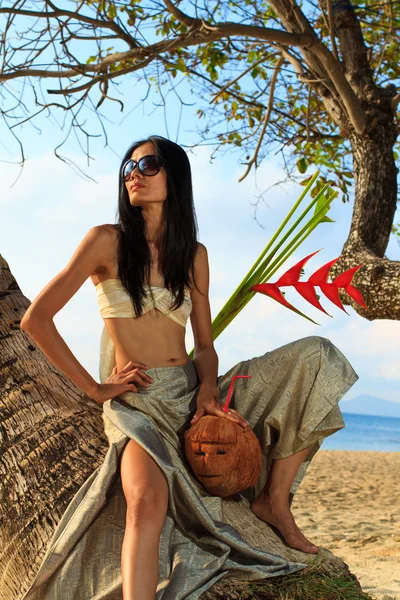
{"x": 360, "y": 451}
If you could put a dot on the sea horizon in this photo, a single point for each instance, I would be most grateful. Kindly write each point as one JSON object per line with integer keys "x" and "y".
{"x": 365, "y": 433}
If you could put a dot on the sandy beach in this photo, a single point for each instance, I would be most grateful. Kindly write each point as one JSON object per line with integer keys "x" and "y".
{"x": 349, "y": 502}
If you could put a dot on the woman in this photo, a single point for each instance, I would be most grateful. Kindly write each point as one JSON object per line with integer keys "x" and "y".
{"x": 150, "y": 275}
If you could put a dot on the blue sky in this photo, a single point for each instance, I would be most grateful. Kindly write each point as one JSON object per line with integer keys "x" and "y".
{"x": 48, "y": 210}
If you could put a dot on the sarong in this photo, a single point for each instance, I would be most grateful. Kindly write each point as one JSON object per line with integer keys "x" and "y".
{"x": 291, "y": 403}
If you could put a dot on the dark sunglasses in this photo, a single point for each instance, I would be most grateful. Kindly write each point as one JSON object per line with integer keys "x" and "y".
{"x": 148, "y": 165}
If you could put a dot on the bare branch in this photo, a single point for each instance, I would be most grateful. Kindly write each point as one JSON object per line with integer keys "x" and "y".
{"x": 152, "y": 51}
{"x": 308, "y": 114}
{"x": 262, "y": 59}
{"x": 319, "y": 58}
{"x": 181, "y": 16}
{"x": 253, "y": 160}
{"x": 76, "y": 15}
{"x": 395, "y": 102}
{"x": 332, "y": 30}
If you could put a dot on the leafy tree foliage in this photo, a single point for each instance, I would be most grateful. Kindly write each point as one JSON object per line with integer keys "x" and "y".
{"x": 313, "y": 80}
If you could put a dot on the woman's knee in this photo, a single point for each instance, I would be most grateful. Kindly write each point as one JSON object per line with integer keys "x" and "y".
{"x": 145, "y": 486}
{"x": 147, "y": 508}
{"x": 320, "y": 343}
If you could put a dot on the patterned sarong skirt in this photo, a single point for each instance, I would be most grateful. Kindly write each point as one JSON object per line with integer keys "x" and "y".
{"x": 291, "y": 402}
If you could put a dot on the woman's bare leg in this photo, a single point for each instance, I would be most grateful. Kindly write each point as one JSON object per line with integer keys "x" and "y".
{"x": 272, "y": 504}
{"x": 146, "y": 493}
{"x": 139, "y": 562}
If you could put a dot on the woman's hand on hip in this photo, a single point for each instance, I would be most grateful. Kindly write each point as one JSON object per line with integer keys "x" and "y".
{"x": 122, "y": 381}
{"x": 208, "y": 402}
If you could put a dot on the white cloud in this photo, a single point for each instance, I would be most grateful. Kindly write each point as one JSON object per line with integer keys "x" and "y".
{"x": 373, "y": 339}
{"x": 390, "y": 370}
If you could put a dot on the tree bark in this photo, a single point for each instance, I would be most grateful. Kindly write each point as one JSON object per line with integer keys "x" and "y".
{"x": 375, "y": 172}
{"x": 375, "y": 178}
{"x": 52, "y": 439}
{"x": 375, "y": 199}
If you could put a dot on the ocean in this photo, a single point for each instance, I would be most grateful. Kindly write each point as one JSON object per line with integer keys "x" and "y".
{"x": 365, "y": 432}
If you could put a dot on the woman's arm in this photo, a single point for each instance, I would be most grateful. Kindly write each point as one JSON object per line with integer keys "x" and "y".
{"x": 47, "y": 337}
{"x": 38, "y": 322}
{"x": 205, "y": 356}
{"x": 206, "y": 363}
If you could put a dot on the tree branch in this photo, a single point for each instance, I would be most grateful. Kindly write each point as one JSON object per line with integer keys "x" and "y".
{"x": 332, "y": 30}
{"x": 262, "y": 59}
{"x": 253, "y": 160}
{"x": 57, "y": 12}
{"x": 319, "y": 58}
{"x": 181, "y": 16}
{"x": 203, "y": 32}
{"x": 395, "y": 102}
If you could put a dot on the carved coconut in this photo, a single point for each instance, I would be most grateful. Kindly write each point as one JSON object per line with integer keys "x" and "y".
{"x": 224, "y": 456}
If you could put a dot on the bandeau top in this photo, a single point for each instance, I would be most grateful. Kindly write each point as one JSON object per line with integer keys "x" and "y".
{"x": 114, "y": 301}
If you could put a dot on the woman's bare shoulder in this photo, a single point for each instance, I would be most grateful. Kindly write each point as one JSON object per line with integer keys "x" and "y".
{"x": 111, "y": 228}
{"x": 109, "y": 234}
{"x": 197, "y": 262}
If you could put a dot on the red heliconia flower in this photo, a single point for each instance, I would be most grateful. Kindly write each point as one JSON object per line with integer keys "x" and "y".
{"x": 307, "y": 288}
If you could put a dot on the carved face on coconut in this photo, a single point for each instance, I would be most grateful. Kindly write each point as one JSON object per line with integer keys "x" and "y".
{"x": 224, "y": 457}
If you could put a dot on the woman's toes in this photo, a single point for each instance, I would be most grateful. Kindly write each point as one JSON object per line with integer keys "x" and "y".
{"x": 298, "y": 544}
{"x": 311, "y": 546}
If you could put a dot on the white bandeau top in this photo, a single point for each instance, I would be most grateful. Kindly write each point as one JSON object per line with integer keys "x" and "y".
{"x": 114, "y": 301}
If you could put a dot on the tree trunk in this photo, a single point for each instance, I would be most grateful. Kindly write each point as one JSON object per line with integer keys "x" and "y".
{"x": 373, "y": 161}
{"x": 52, "y": 439}
{"x": 375, "y": 178}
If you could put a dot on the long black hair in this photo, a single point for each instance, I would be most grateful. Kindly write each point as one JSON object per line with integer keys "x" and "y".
{"x": 178, "y": 245}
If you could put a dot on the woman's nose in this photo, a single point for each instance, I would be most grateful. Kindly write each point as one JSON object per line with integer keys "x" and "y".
{"x": 132, "y": 172}
{"x": 135, "y": 170}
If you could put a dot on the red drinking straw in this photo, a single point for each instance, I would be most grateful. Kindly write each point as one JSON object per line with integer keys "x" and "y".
{"x": 225, "y": 409}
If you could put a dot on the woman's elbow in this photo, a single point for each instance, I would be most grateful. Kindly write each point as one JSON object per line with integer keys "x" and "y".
{"x": 30, "y": 321}
{"x": 26, "y": 323}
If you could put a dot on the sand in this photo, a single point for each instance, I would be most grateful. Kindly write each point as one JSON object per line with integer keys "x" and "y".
{"x": 349, "y": 502}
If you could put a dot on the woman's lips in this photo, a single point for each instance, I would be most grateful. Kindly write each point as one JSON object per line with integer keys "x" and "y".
{"x": 135, "y": 187}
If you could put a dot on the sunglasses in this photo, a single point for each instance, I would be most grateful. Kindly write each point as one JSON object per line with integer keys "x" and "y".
{"x": 148, "y": 165}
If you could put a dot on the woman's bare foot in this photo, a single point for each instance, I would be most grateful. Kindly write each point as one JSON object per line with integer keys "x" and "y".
{"x": 275, "y": 511}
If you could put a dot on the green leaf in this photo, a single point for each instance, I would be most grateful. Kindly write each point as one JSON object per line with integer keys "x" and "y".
{"x": 302, "y": 165}
{"x": 111, "y": 12}
{"x": 305, "y": 181}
